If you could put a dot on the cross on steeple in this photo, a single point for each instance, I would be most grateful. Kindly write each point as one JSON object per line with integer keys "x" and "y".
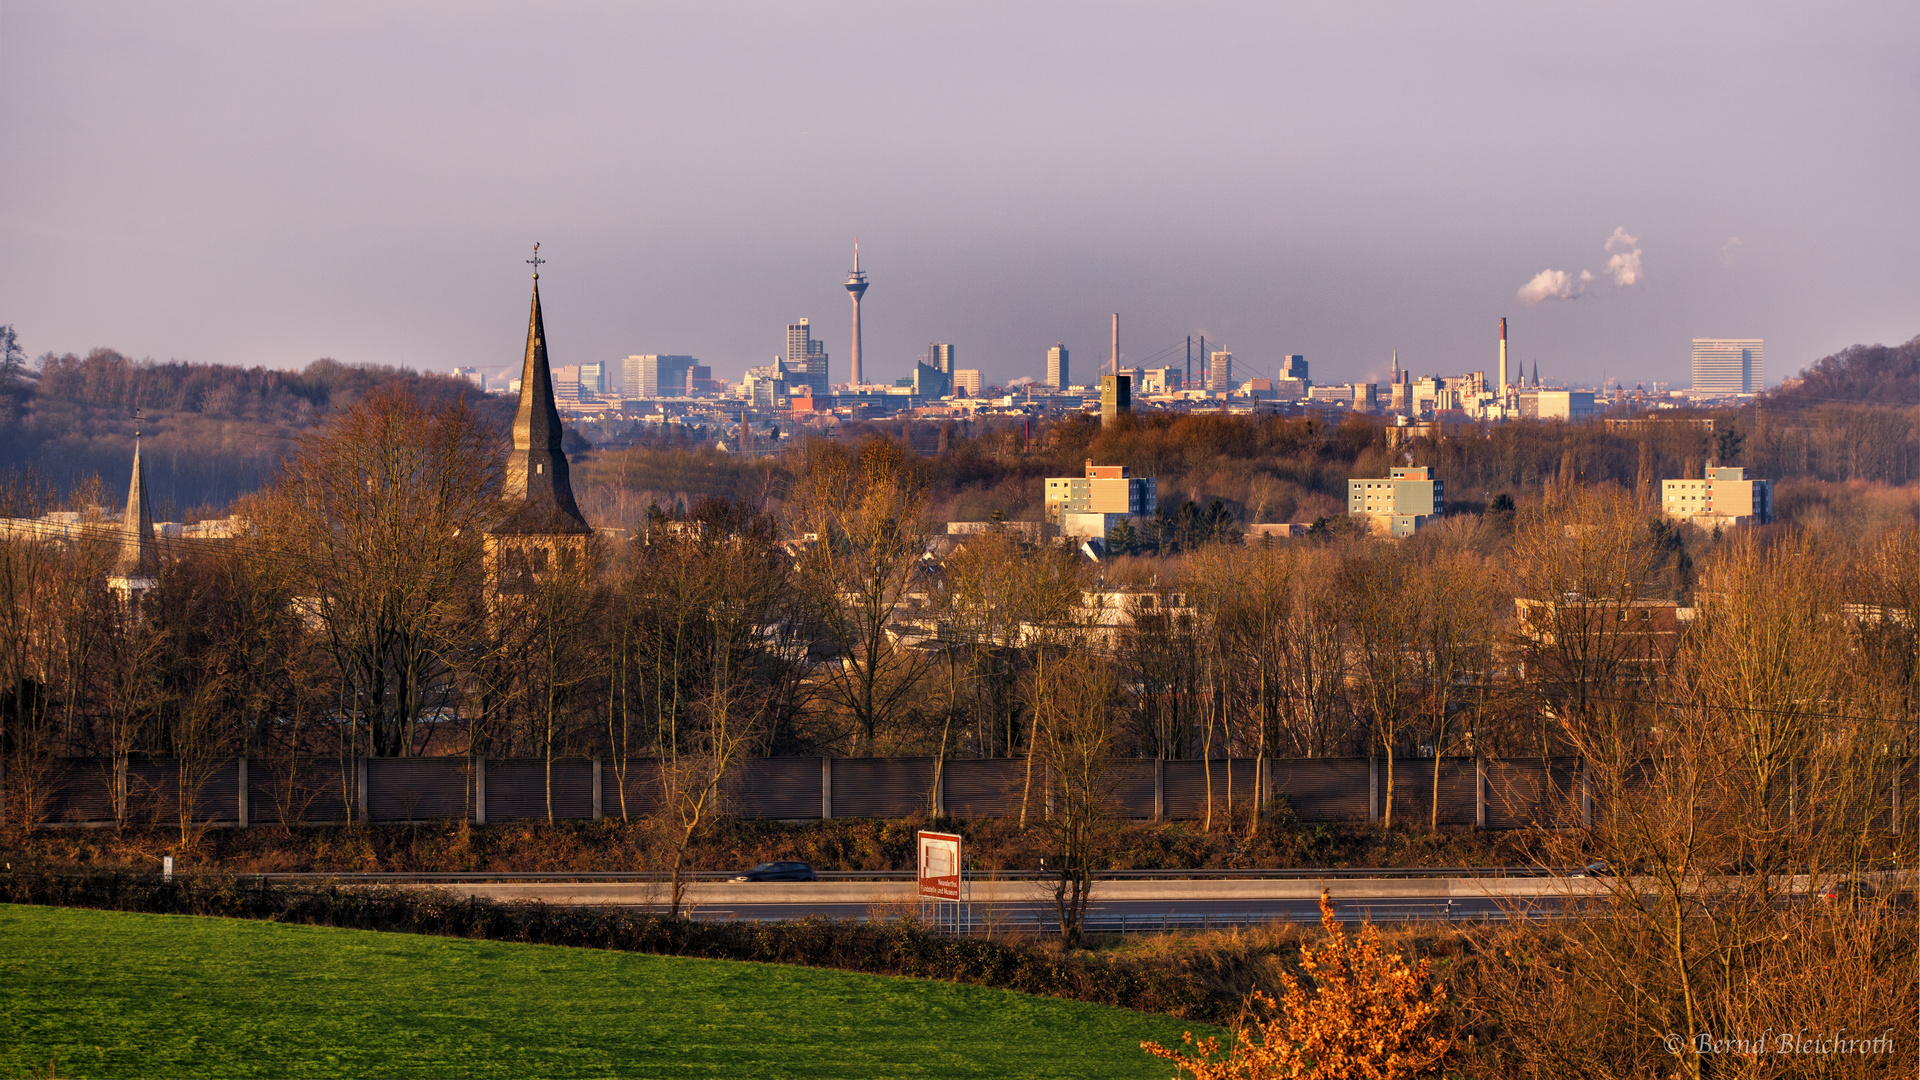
{"x": 536, "y": 261}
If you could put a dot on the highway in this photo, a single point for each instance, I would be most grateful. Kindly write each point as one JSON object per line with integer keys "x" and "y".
{"x": 1131, "y": 904}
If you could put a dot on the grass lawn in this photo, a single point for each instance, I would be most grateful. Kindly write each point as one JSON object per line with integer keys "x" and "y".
{"x": 124, "y": 995}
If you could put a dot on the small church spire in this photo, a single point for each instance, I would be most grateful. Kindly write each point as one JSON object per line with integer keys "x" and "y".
{"x": 138, "y": 563}
{"x": 537, "y": 482}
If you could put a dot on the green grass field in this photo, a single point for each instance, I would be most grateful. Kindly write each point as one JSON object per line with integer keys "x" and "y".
{"x": 123, "y": 995}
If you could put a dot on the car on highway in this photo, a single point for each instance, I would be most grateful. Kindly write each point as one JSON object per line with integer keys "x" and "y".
{"x": 780, "y": 871}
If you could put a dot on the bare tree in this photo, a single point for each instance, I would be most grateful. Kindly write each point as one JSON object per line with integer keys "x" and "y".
{"x": 1386, "y": 610}
{"x": 862, "y": 525}
{"x": 1075, "y": 697}
{"x": 376, "y": 523}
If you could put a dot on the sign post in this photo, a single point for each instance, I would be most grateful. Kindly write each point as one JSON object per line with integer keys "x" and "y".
{"x": 939, "y": 871}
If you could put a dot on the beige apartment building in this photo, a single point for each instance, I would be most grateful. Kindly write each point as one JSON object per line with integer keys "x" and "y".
{"x": 1088, "y": 505}
{"x": 1398, "y": 504}
{"x": 1722, "y": 497}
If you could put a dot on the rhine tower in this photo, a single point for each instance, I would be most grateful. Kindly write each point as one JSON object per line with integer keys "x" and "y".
{"x": 857, "y": 288}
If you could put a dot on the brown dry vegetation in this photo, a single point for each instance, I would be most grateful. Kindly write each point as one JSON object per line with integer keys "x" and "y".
{"x": 841, "y": 844}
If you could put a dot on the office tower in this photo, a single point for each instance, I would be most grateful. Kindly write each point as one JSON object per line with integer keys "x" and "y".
{"x": 1057, "y": 375}
{"x": 700, "y": 380}
{"x": 1222, "y": 371}
{"x": 566, "y": 383}
{"x": 473, "y": 375}
{"x": 806, "y": 358}
{"x": 1729, "y": 365}
{"x": 940, "y": 356}
{"x": 1295, "y": 366}
{"x": 967, "y": 381}
{"x": 931, "y": 382}
{"x": 856, "y": 288}
{"x": 656, "y": 376}
{"x": 593, "y": 379}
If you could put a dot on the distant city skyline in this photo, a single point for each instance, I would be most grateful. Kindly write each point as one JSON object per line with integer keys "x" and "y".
{"x": 266, "y": 186}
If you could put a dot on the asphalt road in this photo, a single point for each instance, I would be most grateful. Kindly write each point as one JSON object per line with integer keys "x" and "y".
{"x": 1148, "y": 915}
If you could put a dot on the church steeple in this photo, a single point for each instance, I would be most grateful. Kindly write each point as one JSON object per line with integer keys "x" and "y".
{"x": 138, "y": 558}
{"x": 537, "y": 488}
{"x": 137, "y": 567}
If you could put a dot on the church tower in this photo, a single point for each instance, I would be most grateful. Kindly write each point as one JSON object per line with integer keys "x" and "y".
{"x": 137, "y": 568}
{"x": 541, "y": 529}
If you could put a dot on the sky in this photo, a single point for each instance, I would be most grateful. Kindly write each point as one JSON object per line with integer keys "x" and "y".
{"x": 267, "y": 184}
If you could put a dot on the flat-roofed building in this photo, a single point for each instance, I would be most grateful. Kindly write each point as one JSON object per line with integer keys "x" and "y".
{"x": 1058, "y": 375}
{"x": 967, "y": 381}
{"x": 1729, "y": 365}
{"x": 1556, "y": 404}
{"x": 1398, "y": 504}
{"x": 1721, "y": 497}
{"x": 656, "y": 375}
{"x": 1107, "y": 492}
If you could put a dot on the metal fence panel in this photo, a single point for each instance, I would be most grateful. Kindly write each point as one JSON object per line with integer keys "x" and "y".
{"x": 979, "y": 788}
{"x": 1129, "y": 783}
{"x": 1322, "y": 789}
{"x": 776, "y": 788}
{"x": 310, "y": 791}
{"x": 1413, "y": 784}
{"x": 517, "y": 788}
{"x": 1526, "y": 793}
{"x": 638, "y": 778}
{"x": 1188, "y": 784}
{"x": 882, "y": 787}
{"x": 79, "y": 789}
{"x": 420, "y": 788}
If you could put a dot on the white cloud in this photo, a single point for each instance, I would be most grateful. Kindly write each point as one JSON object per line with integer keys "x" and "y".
{"x": 1554, "y": 285}
{"x": 1625, "y": 263}
{"x": 1726, "y": 250}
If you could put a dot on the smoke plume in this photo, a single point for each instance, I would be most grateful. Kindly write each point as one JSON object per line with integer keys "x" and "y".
{"x": 1554, "y": 285}
{"x": 1625, "y": 263}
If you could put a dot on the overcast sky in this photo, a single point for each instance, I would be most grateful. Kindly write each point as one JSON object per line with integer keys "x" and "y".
{"x": 271, "y": 183}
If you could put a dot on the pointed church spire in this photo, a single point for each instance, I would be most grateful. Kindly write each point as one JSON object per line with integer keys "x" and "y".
{"x": 537, "y": 483}
{"x": 138, "y": 559}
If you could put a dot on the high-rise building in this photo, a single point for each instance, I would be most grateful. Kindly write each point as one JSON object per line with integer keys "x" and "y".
{"x": 931, "y": 382}
{"x": 1295, "y": 367}
{"x": 856, "y": 288}
{"x": 656, "y": 376}
{"x": 940, "y": 357}
{"x": 473, "y": 375}
{"x": 1116, "y": 397}
{"x": 967, "y": 381}
{"x": 1729, "y": 365}
{"x": 1222, "y": 373}
{"x": 1057, "y": 375}
{"x": 806, "y": 358}
{"x": 593, "y": 379}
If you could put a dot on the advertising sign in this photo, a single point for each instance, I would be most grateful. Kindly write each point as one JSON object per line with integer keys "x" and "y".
{"x": 939, "y": 866}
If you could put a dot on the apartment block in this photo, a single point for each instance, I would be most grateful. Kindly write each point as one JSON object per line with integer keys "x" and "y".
{"x": 1721, "y": 497}
{"x": 1398, "y": 504}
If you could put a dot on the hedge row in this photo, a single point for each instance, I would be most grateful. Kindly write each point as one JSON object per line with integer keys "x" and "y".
{"x": 905, "y": 947}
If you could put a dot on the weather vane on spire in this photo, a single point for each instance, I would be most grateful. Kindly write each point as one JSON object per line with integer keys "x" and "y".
{"x": 136, "y": 424}
{"x": 536, "y": 261}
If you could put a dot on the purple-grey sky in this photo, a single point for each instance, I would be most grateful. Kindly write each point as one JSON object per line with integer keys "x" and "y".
{"x": 254, "y": 183}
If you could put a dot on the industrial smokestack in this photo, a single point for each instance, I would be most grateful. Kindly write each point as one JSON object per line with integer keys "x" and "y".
{"x": 1503, "y": 357}
{"x": 1116, "y": 343}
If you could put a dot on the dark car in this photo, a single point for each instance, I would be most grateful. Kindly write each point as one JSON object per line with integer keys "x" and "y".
{"x": 780, "y": 871}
